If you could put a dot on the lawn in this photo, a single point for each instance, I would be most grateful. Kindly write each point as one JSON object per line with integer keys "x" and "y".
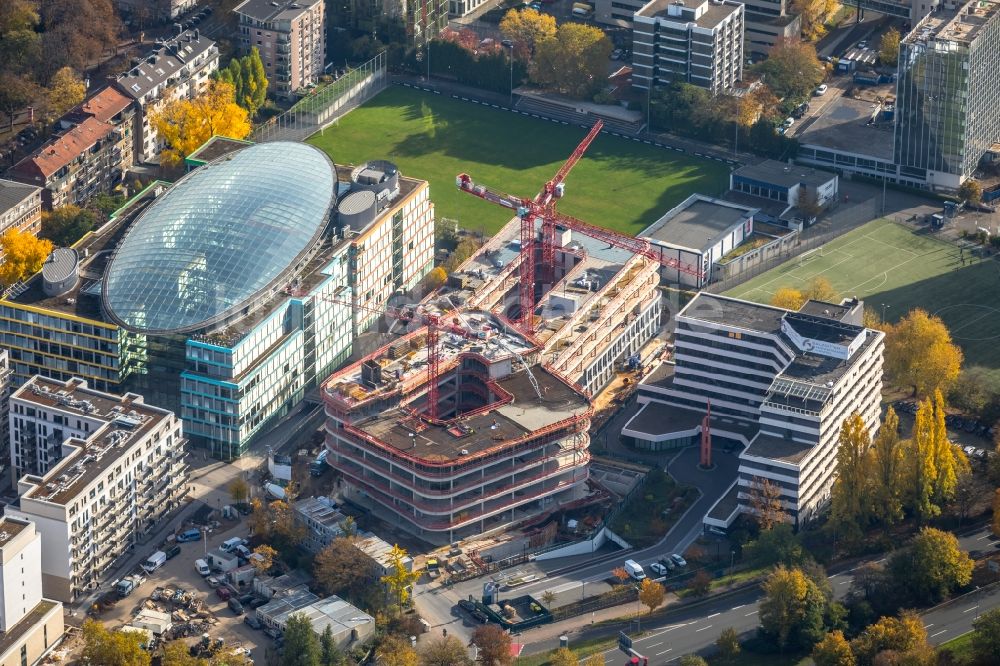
{"x": 642, "y": 522}
{"x": 619, "y": 184}
{"x": 894, "y": 269}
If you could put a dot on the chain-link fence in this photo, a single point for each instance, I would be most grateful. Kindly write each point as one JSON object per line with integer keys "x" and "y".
{"x": 325, "y": 106}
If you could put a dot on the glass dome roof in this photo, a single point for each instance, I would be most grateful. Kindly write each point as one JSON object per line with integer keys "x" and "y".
{"x": 221, "y": 235}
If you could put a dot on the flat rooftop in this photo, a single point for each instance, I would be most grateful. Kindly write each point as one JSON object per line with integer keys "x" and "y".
{"x": 777, "y": 448}
{"x": 9, "y": 528}
{"x": 963, "y": 25}
{"x": 826, "y": 309}
{"x": 126, "y": 421}
{"x": 726, "y": 505}
{"x": 504, "y": 423}
{"x": 214, "y": 148}
{"x": 783, "y": 174}
{"x": 734, "y": 312}
{"x": 711, "y": 16}
{"x": 659, "y": 418}
{"x": 271, "y": 10}
{"x": 697, "y": 223}
{"x": 847, "y": 125}
{"x": 9, "y": 638}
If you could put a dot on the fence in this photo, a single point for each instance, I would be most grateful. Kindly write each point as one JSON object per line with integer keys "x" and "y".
{"x": 327, "y": 105}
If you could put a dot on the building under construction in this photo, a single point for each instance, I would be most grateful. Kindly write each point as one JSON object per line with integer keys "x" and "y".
{"x": 477, "y": 418}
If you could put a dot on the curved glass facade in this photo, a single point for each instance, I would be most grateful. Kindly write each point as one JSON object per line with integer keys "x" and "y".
{"x": 199, "y": 255}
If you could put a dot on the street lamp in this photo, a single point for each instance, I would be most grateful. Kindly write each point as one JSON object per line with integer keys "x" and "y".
{"x": 510, "y": 56}
{"x": 884, "y": 307}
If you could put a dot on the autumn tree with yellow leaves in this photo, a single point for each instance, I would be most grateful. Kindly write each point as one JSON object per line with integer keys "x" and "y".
{"x": 919, "y": 353}
{"x": 886, "y": 468}
{"x": 23, "y": 255}
{"x": 399, "y": 580}
{"x": 815, "y": 14}
{"x": 185, "y": 124}
{"x": 816, "y": 289}
{"x": 851, "y": 498}
{"x": 527, "y": 28}
{"x": 574, "y": 61}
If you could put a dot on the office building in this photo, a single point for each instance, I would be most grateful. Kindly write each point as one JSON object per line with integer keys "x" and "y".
{"x": 768, "y": 22}
{"x": 691, "y": 41}
{"x": 946, "y": 115}
{"x": 780, "y": 385}
{"x": 291, "y": 38}
{"x": 30, "y": 625}
{"x": 20, "y": 207}
{"x": 177, "y": 68}
{"x": 117, "y": 472}
{"x": 348, "y": 624}
{"x": 421, "y": 19}
{"x": 140, "y": 13}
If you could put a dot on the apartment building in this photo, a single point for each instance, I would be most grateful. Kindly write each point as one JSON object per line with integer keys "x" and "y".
{"x": 146, "y": 12}
{"x": 422, "y": 19}
{"x": 75, "y": 164}
{"x": 693, "y": 41}
{"x": 946, "y": 114}
{"x": 179, "y": 67}
{"x": 109, "y": 105}
{"x": 120, "y": 470}
{"x": 291, "y": 38}
{"x": 779, "y": 383}
{"x": 20, "y": 207}
{"x": 30, "y": 625}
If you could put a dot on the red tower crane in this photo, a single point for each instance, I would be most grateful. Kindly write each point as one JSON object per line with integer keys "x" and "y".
{"x": 543, "y": 207}
{"x": 435, "y": 324}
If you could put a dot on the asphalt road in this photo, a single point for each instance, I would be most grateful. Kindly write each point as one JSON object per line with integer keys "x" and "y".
{"x": 688, "y": 630}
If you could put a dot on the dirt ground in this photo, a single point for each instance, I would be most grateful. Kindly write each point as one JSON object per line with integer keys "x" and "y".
{"x": 180, "y": 572}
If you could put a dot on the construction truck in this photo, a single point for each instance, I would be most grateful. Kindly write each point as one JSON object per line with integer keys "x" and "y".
{"x": 125, "y": 586}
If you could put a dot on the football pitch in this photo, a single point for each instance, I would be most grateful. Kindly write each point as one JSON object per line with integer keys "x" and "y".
{"x": 619, "y": 184}
{"x": 890, "y": 265}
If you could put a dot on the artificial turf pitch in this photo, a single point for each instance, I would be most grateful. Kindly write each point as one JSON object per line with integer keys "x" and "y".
{"x": 620, "y": 184}
{"x": 889, "y": 264}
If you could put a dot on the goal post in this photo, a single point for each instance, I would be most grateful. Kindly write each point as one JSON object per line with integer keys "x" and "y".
{"x": 810, "y": 254}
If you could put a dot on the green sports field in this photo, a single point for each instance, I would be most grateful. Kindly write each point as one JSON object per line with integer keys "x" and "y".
{"x": 619, "y": 184}
{"x": 888, "y": 264}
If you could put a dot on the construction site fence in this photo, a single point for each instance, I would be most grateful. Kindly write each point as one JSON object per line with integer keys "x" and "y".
{"x": 326, "y": 106}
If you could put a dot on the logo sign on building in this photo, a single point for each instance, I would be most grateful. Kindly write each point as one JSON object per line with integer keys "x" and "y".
{"x": 821, "y": 347}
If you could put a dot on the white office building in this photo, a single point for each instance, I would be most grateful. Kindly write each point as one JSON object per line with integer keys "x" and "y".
{"x": 119, "y": 469}
{"x": 780, "y": 384}
{"x": 692, "y": 41}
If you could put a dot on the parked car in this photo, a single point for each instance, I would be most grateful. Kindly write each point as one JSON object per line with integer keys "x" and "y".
{"x": 480, "y": 616}
{"x": 223, "y": 593}
{"x": 616, "y": 54}
{"x": 201, "y": 566}
{"x": 788, "y": 122}
{"x": 272, "y": 632}
{"x": 173, "y": 551}
{"x": 863, "y": 44}
{"x": 821, "y": 89}
{"x": 193, "y": 534}
{"x": 466, "y": 604}
{"x": 252, "y": 622}
{"x": 667, "y": 562}
{"x": 235, "y": 606}
{"x": 678, "y": 560}
{"x": 658, "y": 569}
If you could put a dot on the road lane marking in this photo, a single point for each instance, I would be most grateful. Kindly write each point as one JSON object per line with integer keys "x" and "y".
{"x": 928, "y": 626}
{"x": 938, "y": 633}
{"x": 737, "y": 607}
{"x": 659, "y": 633}
{"x": 971, "y": 608}
{"x": 985, "y": 536}
{"x": 655, "y": 644}
{"x": 843, "y": 582}
{"x": 749, "y": 614}
{"x": 664, "y": 652}
{"x": 712, "y": 615}
{"x": 703, "y": 628}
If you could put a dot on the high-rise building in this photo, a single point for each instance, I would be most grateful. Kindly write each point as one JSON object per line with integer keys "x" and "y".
{"x": 947, "y": 112}
{"x": 421, "y": 20}
{"x": 691, "y": 41}
{"x": 291, "y": 38}
{"x": 30, "y": 625}
{"x": 99, "y": 470}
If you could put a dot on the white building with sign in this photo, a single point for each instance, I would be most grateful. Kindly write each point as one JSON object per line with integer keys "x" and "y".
{"x": 780, "y": 383}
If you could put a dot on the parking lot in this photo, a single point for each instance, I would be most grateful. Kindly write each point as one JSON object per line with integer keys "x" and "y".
{"x": 179, "y": 572}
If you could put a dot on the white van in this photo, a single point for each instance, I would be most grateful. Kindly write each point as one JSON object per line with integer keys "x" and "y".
{"x": 634, "y": 570}
{"x": 201, "y": 566}
{"x": 155, "y": 561}
{"x": 230, "y": 544}
{"x": 580, "y": 12}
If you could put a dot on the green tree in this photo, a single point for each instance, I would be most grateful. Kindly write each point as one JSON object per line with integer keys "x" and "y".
{"x": 239, "y": 490}
{"x": 336, "y": 569}
{"x": 651, "y": 594}
{"x": 792, "y": 69}
{"x": 493, "y": 644}
{"x": 888, "y": 52}
{"x": 177, "y": 653}
{"x": 728, "y": 644}
{"x": 67, "y": 224}
{"x": 778, "y": 545}
{"x": 301, "y": 644}
{"x": 851, "y": 501}
{"x": 23, "y": 255}
{"x": 574, "y": 62}
{"x": 401, "y": 577}
{"x": 16, "y": 92}
{"x": 887, "y": 471}
{"x": 692, "y": 660}
{"x": 446, "y": 651}
{"x": 971, "y": 191}
{"x": 791, "y": 611}
{"x": 329, "y": 653}
{"x": 106, "y": 204}
{"x": 833, "y": 650}
{"x": 112, "y": 648}
{"x": 395, "y": 651}
{"x": 931, "y": 566}
{"x": 986, "y": 637}
{"x": 256, "y": 93}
